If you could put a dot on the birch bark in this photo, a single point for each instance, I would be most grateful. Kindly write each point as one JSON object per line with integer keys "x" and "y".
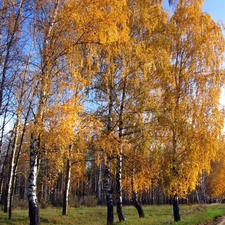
{"x": 32, "y": 187}
{"x": 43, "y": 89}
{"x": 119, "y": 157}
{"x": 108, "y": 190}
{"x": 67, "y": 187}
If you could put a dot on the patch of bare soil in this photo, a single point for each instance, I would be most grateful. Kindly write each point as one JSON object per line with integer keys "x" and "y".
{"x": 218, "y": 220}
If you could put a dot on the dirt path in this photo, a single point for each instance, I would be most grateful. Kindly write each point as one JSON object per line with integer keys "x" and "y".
{"x": 219, "y": 220}
{"x": 222, "y": 222}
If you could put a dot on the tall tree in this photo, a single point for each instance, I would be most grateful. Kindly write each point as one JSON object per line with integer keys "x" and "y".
{"x": 14, "y": 64}
{"x": 191, "y": 86}
{"x": 22, "y": 112}
{"x": 12, "y": 19}
{"x": 45, "y": 22}
{"x": 14, "y": 16}
{"x": 122, "y": 82}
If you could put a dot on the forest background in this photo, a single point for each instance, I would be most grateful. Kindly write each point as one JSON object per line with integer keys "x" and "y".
{"x": 110, "y": 102}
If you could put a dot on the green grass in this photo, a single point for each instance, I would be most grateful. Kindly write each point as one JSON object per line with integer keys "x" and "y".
{"x": 154, "y": 215}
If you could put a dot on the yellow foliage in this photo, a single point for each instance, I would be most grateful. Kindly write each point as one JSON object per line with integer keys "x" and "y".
{"x": 189, "y": 117}
{"x": 158, "y": 87}
{"x": 214, "y": 182}
{"x": 95, "y": 21}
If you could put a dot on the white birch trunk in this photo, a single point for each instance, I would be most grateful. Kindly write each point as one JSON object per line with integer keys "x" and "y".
{"x": 32, "y": 187}
{"x": 43, "y": 92}
{"x": 12, "y": 170}
{"x": 120, "y": 158}
{"x": 3, "y": 171}
{"x": 100, "y": 180}
{"x": 67, "y": 187}
{"x": 119, "y": 188}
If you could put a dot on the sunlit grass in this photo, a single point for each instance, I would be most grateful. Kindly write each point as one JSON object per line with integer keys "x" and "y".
{"x": 154, "y": 215}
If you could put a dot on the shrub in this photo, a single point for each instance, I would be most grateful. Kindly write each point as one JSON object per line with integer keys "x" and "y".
{"x": 20, "y": 203}
{"x": 88, "y": 201}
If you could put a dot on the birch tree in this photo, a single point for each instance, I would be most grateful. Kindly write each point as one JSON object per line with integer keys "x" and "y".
{"x": 122, "y": 85}
{"x": 12, "y": 41}
{"x": 22, "y": 96}
{"x": 12, "y": 19}
{"x": 191, "y": 87}
{"x": 45, "y": 24}
{"x": 53, "y": 30}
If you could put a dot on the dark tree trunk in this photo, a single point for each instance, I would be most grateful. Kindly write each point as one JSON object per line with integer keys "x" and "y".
{"x": 34, "y": 213}
{"x": 135, "y": 202}
{"x": 110, "y": 213}
{"x": 107, "y": 176}
{"x": 119, "y": 189}
{"x": 2, "y": 128}
{"x": 137, "y": 205}
{"x": 108, "y": 189}
{"x": 176, "y": 210}
{"x": 6, "y": 199}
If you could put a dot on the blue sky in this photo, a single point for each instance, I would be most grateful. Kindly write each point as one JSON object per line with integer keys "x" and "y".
{"x": 216, "y": 8}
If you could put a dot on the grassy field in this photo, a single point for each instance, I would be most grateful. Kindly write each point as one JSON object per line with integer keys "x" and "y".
{"x": 154, "y": 215}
